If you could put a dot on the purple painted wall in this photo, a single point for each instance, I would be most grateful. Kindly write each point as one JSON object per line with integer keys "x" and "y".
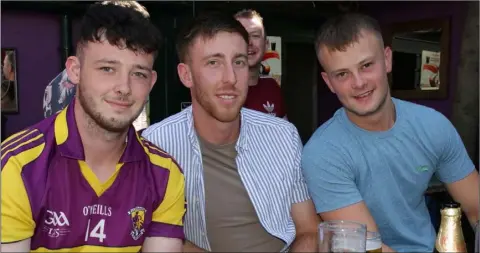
{"x": 391, "y": 12}
{"x": 37, "y": 40}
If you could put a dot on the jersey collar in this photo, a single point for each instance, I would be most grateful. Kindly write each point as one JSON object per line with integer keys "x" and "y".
{"x": 70, "y": 144}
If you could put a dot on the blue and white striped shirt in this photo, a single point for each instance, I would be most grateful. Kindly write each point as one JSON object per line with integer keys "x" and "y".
{"x": 269, "y": 152}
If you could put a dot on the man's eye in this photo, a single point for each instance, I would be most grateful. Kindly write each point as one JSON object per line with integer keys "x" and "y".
{"x": 106, "y": 69}
{"x": 140, "y": 74}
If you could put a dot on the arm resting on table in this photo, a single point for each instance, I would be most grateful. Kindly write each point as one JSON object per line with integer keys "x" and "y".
{"x": 190, "y": 247}
{"x": 162, "y": 244}
{"x": 306, "y": 221}
{"x": 21, "y": 246}
{"x": 357, "y": 212}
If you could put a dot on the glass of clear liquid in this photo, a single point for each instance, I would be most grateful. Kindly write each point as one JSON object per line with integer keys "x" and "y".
{"x": 342, "y": 236}
{"x": 374, "y": 242}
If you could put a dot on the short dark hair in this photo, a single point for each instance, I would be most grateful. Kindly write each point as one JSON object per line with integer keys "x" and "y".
{"x": 124, "y": 24}
{"x": 248, "y": 14}
{"x": 339, "y": 32}
{"x": 206, "y": 26}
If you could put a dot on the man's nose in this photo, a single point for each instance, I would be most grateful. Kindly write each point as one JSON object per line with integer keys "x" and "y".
{"x": 229, "y": 75}
{"x": 358, "y": 81}
{"x": 123, "y": 85}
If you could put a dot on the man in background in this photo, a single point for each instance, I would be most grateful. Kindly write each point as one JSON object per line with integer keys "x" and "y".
{"x": 264, "y": 93}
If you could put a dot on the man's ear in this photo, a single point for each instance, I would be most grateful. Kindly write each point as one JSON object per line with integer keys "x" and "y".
{"x": 388, "y": 59}
{"x": 154, "y": 79}
{"x": 72, "y": 65}
{"x": 185, "y": 74}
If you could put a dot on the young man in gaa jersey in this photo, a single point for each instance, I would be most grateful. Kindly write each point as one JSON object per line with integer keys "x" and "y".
{"x": 83, "y": 179}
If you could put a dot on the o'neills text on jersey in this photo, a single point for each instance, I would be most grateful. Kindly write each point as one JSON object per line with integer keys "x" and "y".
{"x": 97, "y": 210}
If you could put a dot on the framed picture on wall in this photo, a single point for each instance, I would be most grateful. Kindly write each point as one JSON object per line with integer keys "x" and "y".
{"x": 9, "y": 92}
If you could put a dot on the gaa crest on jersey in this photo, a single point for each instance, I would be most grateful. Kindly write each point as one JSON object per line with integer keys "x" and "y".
{"x": 137, "y": 215}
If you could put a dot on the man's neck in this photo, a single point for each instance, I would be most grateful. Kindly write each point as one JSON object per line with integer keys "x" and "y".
{"x": 212, "y": 130}
{"x": 382, "y": 120}
{"x": 101, "y": 147}
{"x": 254, "y": 74}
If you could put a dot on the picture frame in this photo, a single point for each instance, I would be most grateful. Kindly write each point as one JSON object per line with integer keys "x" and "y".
{"x": 9, "y": 85}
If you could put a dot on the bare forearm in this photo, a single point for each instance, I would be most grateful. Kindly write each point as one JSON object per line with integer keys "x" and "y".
{"x": 306, "y": 242}
{"x": 190, "y": 247}
{"x": 472, "y": 217}
{"x": 385, "y": 248}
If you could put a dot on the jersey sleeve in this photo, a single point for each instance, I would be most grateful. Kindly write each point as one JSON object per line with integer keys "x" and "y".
{"x": 300, "y": 189}
{"x": 167, "y": 219}
{"x": 454, "y": 162}
{"x": 17, "y": 221}
{"x": 331, "y": 182}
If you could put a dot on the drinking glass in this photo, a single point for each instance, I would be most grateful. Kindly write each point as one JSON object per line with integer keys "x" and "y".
{"x": 374, "y": 242}
{"x": 342, "y": 236}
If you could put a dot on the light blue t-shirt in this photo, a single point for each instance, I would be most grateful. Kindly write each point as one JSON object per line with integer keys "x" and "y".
{"x": 390, "y": 170}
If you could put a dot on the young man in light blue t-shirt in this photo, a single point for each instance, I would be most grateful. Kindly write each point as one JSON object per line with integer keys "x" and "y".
{"x": 373, "y": 160}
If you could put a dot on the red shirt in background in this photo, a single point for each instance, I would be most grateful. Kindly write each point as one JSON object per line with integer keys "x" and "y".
{"x": 266, "y": 97}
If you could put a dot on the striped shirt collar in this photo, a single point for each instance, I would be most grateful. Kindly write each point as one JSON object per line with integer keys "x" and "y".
{"x": 242, "y": 142}
{"x": 70, "y": 143}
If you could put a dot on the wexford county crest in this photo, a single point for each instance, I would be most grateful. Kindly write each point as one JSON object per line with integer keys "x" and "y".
{"x": 137, "y": 215}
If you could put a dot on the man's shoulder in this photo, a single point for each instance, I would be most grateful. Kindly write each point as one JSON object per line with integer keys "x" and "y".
{"x": 332, "y": 130}
{"x": 28, "y": 144}
{"x": 421, "y": 116}
{"x": 265, "y": 121}
{"x": 268, "y": 82}
{"x": 173, "y": 122}
{"x": 159, "y": 157}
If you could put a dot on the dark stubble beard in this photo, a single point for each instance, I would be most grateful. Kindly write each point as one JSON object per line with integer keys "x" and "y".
{"x": 111, "y": 125}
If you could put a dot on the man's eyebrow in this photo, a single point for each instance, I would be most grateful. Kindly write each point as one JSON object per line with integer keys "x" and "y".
{"x": 106, "y": 60}
{"x": 241, "y": 55}
{"x": 217, "y": 55}
{"x": 142, "y": 67}
{"x": 366, "y": 60}
{"x": 110, "y": 61}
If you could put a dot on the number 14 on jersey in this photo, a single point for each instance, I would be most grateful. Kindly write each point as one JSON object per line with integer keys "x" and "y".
{"x": 98, "y": 231}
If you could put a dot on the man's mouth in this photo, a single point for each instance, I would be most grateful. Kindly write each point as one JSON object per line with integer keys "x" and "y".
{"x": 119, "y": 103}
{"x": 228, "y": 97}
{"x": 364, "y": 95}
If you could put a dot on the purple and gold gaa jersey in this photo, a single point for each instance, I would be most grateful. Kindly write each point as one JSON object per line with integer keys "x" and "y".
{"x": 49, "y": 193}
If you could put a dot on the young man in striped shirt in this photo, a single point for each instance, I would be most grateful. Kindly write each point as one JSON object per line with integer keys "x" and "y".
{"x": 244, "y": 184}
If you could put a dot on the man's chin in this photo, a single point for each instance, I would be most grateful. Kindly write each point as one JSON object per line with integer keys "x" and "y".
{"x": 114, "y": 124}
{"x": 254, "y": 63}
